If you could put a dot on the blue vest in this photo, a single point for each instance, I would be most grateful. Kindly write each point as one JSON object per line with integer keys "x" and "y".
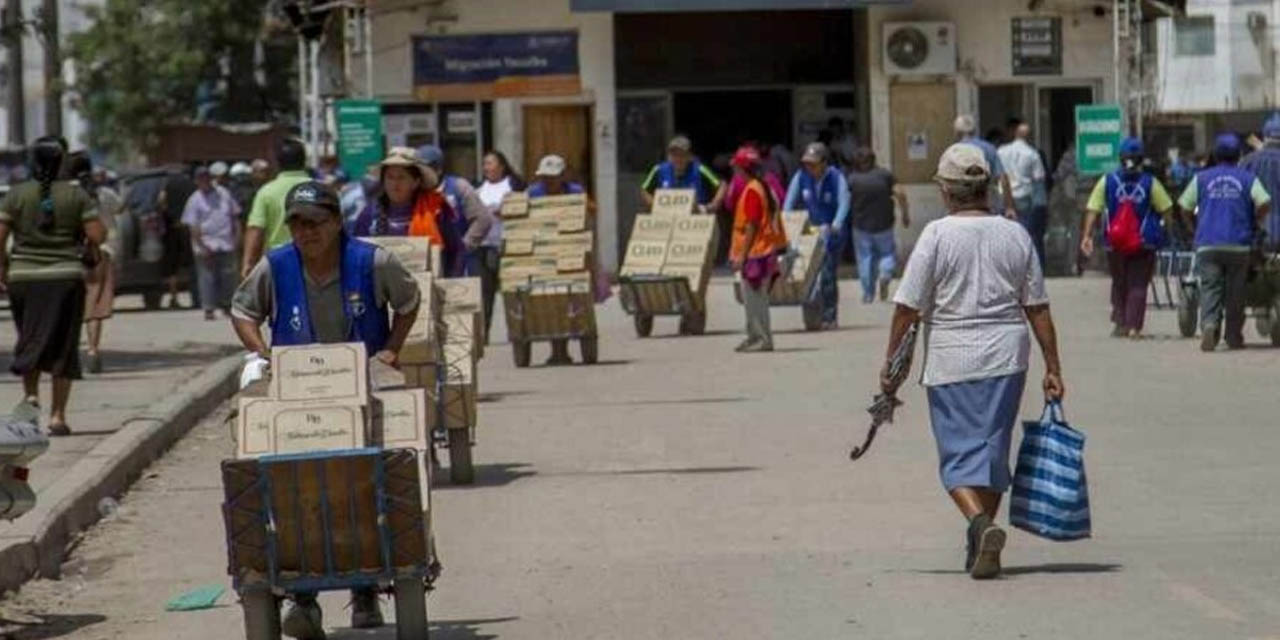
{"x": 539, "y": 189}
{"x": 1226, "y": 214}
{"x": 454, "y": 227}
{"x": 1265, "y": 165}
{"x": 366, "y": 321}
{"x": 1121, "y": 187}
{"x": 822, "y": 199}
{"x": 692, "y": 179}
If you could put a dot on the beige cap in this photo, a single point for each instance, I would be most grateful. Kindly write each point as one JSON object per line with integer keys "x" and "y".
{"x": 963, "y": 162}
{"x": 965, "y": 124}
{"x": 814, "y": 153}
{"x": 551, "y": 166}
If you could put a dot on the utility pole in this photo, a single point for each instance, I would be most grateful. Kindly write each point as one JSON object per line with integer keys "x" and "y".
{"x": 52, "y": 68}
{"x": 11, "y": 28}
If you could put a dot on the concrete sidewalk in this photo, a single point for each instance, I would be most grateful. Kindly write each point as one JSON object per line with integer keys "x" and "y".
{"x": 163, "y": 370}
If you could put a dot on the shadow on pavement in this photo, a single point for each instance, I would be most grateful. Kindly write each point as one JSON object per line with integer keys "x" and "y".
{"x": 439, "y": 629}
{"x": 629, "y": 403}
{"x": 499, "y": 396}
{"x": 52, "y": 626}
{"x": 487, "y": 475}
{"x": 795, "y": 349}
{"x": 840, "y": 329}
{"x": 1063, "y": 567}
{"x": 679, "y": 471}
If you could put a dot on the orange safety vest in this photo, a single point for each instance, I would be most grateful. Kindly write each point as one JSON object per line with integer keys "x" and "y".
{"x": 770, "y": 237}
{"x": 426, "y": 216}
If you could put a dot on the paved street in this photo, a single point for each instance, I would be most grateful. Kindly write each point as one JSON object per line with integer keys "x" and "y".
{"x": 678, "y": 490}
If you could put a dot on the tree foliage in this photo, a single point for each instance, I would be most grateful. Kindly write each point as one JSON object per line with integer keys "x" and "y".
{"x": 146, "y": 63}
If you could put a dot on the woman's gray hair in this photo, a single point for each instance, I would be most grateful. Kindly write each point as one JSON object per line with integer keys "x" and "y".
{"x": 966, "y": 194}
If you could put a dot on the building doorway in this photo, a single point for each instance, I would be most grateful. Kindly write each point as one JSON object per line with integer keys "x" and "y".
{"x": 1058, "y": 119}
{"x": 564, "y": 130}
{"x": 720, "y": 121}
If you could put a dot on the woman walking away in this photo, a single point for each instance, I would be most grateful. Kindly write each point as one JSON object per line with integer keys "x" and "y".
{"x": 1133, "y": 192}
{"x": 100, "y": 280}
{"x": 975, "y": 282}
{"x": 498, "y": 180}
{"x": 213, "y": 218}
{"x": 56, "y": 231}
{"x": 757, "y": 239}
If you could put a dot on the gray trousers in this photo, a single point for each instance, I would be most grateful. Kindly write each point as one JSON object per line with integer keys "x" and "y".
{"x": 214, "y": 280}
{"x": 1223, "y": 275}
{"x": 756, "y": 303}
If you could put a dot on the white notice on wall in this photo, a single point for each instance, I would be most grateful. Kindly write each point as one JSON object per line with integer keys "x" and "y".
{"x": 917, "y": 145}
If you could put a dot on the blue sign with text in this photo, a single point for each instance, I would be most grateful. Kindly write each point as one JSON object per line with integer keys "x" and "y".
{"x": 485, "y": 66}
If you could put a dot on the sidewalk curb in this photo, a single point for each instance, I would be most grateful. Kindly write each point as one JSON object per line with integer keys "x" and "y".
{"x": 36, "y": 546}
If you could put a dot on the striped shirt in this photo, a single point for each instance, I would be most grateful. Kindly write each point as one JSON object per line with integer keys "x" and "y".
{"x": 971, "y": 277}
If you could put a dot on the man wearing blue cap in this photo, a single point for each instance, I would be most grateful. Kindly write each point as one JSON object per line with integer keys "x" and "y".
{"x": 1228, "y": 203}
{"x": 1265, "y": 165}
{"x": 471, "y": 217}
{"x": 1129, "y": 191}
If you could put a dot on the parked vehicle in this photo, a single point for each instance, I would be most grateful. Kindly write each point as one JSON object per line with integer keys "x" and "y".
{"x": 141, "y": 225}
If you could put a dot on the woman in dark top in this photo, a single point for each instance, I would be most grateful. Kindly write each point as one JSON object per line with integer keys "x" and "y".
{"x": 873, "y": 193}
{"x": 56, "y": 233}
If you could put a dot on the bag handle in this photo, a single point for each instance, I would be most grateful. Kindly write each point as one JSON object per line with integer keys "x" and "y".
{"x": 1053, "y": 412}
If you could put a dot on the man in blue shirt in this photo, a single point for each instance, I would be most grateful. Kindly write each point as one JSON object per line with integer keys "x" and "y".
{"x": 966, "y": 129}
{"x": 1229, "y": 204}
{"x": 823, "y": 191}
{"x": 1265, "y": 164}
{"x": 683, "y": 171}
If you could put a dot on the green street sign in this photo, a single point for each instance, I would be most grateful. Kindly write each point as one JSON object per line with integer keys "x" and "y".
{"x": 359, "y": 135}
{"x": 1099, "y": 128}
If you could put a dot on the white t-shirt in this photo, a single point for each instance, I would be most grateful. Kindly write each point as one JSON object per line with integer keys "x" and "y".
{"x": 1022, "y": 164}
{"x": 491, "y": 195}
{"x": 970, "y": 277}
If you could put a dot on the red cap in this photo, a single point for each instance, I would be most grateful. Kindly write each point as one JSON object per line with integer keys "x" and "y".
{"x": 747, "y": 157}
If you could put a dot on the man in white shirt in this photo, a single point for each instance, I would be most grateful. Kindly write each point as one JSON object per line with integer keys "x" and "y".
{"x": 1026, "y": 174}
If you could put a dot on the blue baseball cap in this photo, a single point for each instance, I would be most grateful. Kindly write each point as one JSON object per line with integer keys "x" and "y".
{"x": 1226, "y": 143}
{"x": 1271, "y": 128}
{"x": 430, "y": 155}
{"x": 1131, "y": 146}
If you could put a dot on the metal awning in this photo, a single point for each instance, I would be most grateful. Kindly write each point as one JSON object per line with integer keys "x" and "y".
{"x": 654, "y": 6}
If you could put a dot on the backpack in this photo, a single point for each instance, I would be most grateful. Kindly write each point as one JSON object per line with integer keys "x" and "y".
{"x": 1124, "y": 231}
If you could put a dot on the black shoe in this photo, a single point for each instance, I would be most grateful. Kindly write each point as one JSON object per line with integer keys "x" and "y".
{"x": 1118, "y": 331}
{"x": 746, "y": 345}
{"x": 365, "y": 612}
{"x": 986, "y": 541}
{"x": 94, "y": 362}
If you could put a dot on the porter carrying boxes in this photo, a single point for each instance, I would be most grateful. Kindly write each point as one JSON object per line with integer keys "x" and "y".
{"x": 668, "y": 264}
{"x": 801, "y": 268}
{"x": 548, "y": 280}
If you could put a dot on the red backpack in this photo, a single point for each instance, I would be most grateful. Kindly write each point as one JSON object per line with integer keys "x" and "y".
{"x": 1124, "y": 229}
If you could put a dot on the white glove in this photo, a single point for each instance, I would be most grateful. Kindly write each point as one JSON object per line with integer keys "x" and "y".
{"x": 255, "y": 368}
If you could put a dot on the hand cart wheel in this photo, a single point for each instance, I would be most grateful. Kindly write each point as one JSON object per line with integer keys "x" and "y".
{"x": 522, "y": 353}
{"x": 644, "y": 325}
{"x": 461, "y": 470}
{"x": 1188, "y": 311}
{"x": 1263, "y": 320}
{"x": 1275, "y": 323}
{"x": 694, "y": 324}
{"x": 590, "y": 349}
{"x": 411, "y": 608}
{"x": 812, "y": 316}
{"x": 261, "y": 614}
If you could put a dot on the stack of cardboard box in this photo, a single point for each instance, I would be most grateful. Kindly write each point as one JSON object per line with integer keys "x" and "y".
{"x": 462, "y": 335}
{"x": 415, "y": 253}
{"x": 672, "y": 242}
{"x": 805, "y": 259}
{"x": 548, "y": 242}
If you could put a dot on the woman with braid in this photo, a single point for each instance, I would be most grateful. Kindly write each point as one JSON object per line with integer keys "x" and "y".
{"x": 56, "y": 233}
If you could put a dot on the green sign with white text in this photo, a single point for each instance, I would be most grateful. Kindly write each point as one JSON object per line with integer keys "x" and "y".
{"x": 359, "y": 135}
{"x": 1099, "y": 128}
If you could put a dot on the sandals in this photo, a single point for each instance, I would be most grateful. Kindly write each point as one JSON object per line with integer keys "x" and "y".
{"x": 59, "y": 429}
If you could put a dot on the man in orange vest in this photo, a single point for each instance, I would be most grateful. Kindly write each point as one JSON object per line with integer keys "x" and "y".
{"x": 758, "y": 238}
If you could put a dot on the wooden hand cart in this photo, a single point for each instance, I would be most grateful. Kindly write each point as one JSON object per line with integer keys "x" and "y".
{"x": 547, "y": 312}
{"x": 647, "y": 296}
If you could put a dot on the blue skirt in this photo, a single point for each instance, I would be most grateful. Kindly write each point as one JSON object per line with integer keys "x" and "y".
{"x": 973, "y": 423}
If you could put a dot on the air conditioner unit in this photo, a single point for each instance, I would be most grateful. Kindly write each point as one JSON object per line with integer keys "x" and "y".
{"x": 919, "y": 48}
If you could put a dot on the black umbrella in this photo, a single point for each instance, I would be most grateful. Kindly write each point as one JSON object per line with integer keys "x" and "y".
{"x": 884, "y": 404}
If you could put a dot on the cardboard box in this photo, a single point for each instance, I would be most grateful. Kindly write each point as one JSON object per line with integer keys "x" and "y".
{"x": 266, "y": 426}
{"x": 421, "y": 345}
{"x": 530, "y": 229}
{"x": 457, "y": 409}
{"x": 570, "y": 261}
{"x": 573, "y": 219}
{"x": 398, "y": 419}
{"x": 568, "y": 199}
{"x": 517, "y": 246}
{"x": 328, "y": 372}
{"x": 414, "y": 252}
{"x": 460, "y": 295}
{"x": 652, "y": 228}
{"x": 515, "y": 205}
{"x": 420, "y": 375}
{"x": 646, "y": 253}
{"x": 688, "y": 253}
{"x": 465, "y": 329}
{"x": 795, "y": 223}
{"x": 693, "y": 228}
{"x": 674, "y": 201}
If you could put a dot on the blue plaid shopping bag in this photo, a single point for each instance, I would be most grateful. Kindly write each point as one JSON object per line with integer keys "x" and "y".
{"x": 1050, "y": 493}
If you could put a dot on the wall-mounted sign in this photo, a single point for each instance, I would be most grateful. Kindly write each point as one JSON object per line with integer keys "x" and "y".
{"x": 1037, "y": 46}
{"x": 1098, "y": 131}
{"x": 359, "y": 134}
{"x": 507, "y": 65}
